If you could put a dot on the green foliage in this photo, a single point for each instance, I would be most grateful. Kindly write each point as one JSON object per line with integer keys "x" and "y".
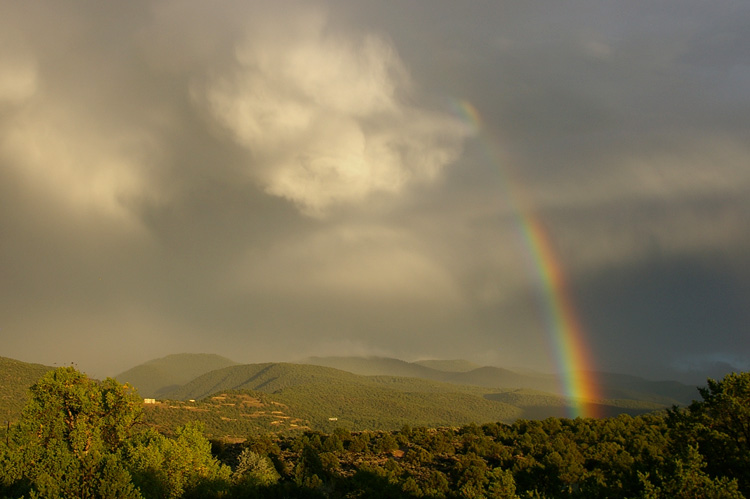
{"x": 688, "y": 480}
{"x": 314, "y": 394}
{"x": 228, "y": 415}
{"x": 69, "y": 437}
{"x": 254, "y": 470}
{"x": 15, "y": 379}
{"x": 719, "y": 427}
{"x": 170, "y": 467}
{"x": 80, "y": 438}
{"x": 310, "y": 395}
{"x": 433, "y": 394}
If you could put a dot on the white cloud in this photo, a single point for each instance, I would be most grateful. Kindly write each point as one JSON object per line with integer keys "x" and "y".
{"x": 323, "y": 118}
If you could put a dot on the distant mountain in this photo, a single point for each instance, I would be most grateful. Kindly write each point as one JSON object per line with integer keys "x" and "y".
{"x": 624, "y": 386}
{"x": 451, "y": 371}
{"x": 267, "y": 378}
{"x": 449, "y": 366}
{"x": 497, "y": 377}
{"x": 377, "y": 366}
{"x": 236, "y": 400}
{"x": 155, "y": 377}
{"x": 613, "y": 386}
{"x": 15, "y": 379}
{"x": 318, "y": 393}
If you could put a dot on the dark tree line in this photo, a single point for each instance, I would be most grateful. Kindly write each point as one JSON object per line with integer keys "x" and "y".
{"x": 82, "y": 438}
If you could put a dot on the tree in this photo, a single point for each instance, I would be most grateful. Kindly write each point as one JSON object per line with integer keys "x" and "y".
{"x": 501, "y": 484}
{"x": 78, "y": 437}
{"x": 69, "y": 409}
{"x": 719, "y": 426}
{"x": 254, "y": 470}
{"x": 69, "y": 438}
{"x": 688, "y": 480}
{"x": 171, "y": 467}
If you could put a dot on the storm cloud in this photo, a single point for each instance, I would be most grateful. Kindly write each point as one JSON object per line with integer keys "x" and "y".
{"x": 273, "y": 182}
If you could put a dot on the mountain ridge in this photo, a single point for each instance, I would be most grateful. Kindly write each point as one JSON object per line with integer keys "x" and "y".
{"x": 378, "y": 400}
{"x": 612, "y": 385}
{"x": 157, "y": 376}
{"x": 383, "y": 401}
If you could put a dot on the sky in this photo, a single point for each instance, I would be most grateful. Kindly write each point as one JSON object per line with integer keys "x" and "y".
{"x": 275, "y": 181}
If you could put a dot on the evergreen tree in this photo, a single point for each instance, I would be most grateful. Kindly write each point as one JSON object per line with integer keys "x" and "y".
{"x": 79, "y": 438}
{"x": 70, "y": 437}
{"x": 719, "y": 426}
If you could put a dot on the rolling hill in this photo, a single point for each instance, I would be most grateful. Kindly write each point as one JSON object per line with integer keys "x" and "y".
{"x": 376, "y": 366}
{"x": 15, "y": 379}
{"x": 613, "y": 386}
{"x": 155, "y": 377}
{"x": 358, "y": 402}
{"x": 235, "y": 400}
{"x": 318, "y": 393}
{"x": 451, "y": 366}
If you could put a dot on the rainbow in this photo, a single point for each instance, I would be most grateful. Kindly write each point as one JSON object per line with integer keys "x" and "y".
{"x": 567, "y": 336}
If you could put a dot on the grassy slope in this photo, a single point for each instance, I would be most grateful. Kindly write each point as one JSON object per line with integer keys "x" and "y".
{"x": 15, "y": 379}
{"x": 155, "y": 377}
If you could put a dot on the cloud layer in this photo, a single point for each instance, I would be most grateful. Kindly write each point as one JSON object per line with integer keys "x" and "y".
{"x": 271, "y": 182}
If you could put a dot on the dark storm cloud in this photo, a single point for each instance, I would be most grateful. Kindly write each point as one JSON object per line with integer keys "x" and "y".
{"x": 270, "y": 182}
{"x": 698, "y": 303}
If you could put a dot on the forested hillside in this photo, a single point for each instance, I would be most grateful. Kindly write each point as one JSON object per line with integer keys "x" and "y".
{"x": 294, "y": 397}
{"x": 15, "y": 379}
{"x": 83, "y": 438}
{"x": 319, "y": 393}
{"x": 230, "y": 416}
{"x": 612, "y": 385}
{"x": 158, "y": 376}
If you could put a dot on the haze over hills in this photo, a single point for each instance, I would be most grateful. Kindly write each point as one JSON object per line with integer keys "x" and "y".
{"x": 624, "y": 386}
{"x": 450, "y": 371}
{"x": 456, "y": 365}
{"x": 374, "y": 366}
{"x": 613, "y": 386}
